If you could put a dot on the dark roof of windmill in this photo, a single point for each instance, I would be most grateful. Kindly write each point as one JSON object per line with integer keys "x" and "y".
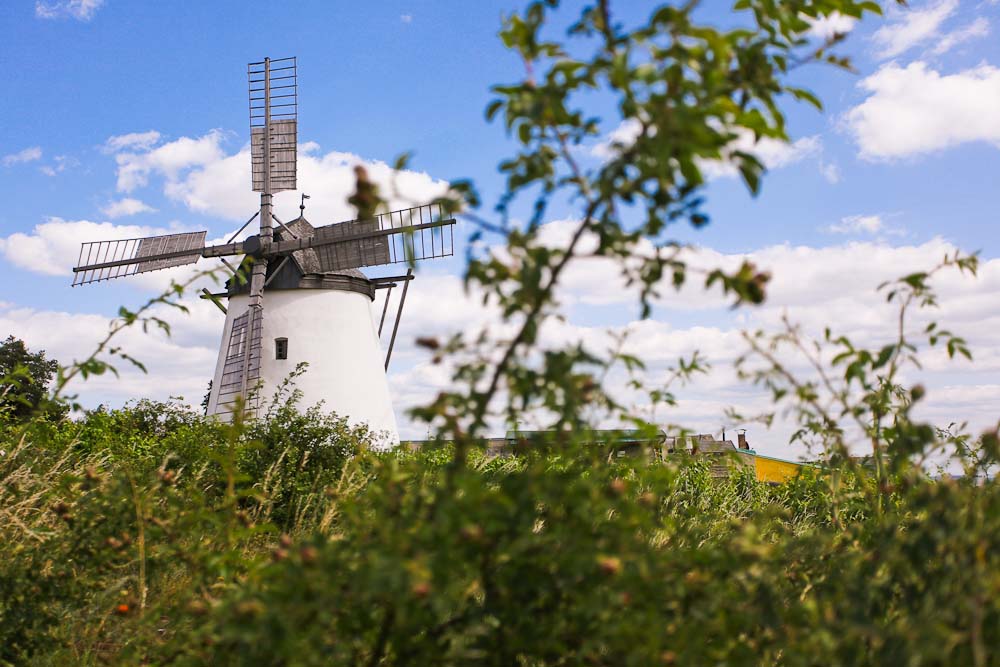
{"x": 306, "y": 269}
{"x": 308, "y": 260}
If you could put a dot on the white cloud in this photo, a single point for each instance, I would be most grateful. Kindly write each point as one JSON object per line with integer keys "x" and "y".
{"x": 803, "y": 276}
{"x": 773, "y": 153}
{"x": 60, "y": 164}
{"x": 406, "y": 18}
{"x": 81, "y": 10}
{"x": 178, "y": 366}
{"x": 221, "y": 186}
{"x": 621, "y": 137}
{"x": 136, "y": 141}
{"x": 201, "y": 175}
{"x": 908, "y": 28}
{"x": 830, "y": 171}
{"x": 53, "y": 247}
{"x": 916, "y": 110}
{"x": 168, "y": 160}
{"x": 814, "y": 286}
{"x": 978, "y": 28}
{"x": 832, "y": 24}
{"x": 27, "y": 155}
{"x": 858, "y": 224}
{"x": 126, "y": 206}
{"x": 837, "y": 284}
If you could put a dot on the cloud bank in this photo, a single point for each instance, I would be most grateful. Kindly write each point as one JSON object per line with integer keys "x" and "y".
{"x": 915, "y": 110}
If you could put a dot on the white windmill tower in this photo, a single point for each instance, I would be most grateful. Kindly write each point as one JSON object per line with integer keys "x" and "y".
{"x": 317, "y": 302}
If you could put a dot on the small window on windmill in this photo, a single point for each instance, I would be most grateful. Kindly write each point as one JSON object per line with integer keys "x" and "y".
{"x": 280, "y": 348}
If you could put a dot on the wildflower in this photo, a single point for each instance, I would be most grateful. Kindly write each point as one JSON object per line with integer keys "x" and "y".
{"x": 421, "y": 589}
{"x": 610, "y": 564}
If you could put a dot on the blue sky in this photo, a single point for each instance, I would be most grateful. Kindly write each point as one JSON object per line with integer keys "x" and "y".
{"x": 902, "y": 166}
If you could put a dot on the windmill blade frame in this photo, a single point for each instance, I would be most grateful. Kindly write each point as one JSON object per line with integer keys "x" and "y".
{"x": 120, "y": 258}
{"x": 106, "y": 260}
{"x": 273, "y": 95}
{"x": 404, "y": 235}
{"x": 242, "y": 363}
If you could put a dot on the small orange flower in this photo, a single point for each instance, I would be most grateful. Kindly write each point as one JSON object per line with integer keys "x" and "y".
{"x": 609, "y": 564}
{"x": 121, "y": 609}
{"x": 421, "y": 589}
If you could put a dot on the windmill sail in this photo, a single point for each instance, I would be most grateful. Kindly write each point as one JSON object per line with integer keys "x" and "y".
{"x": 334, "y": 256}
{"x": 274, "y": 105}
{"x": 104, "y": 260}
{"x": 283, "y": 155}
{"x": 241, "y": 371}
{"x": 409, "y": 234}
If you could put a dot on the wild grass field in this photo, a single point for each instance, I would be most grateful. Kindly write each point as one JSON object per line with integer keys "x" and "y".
{"x": 152, "y": 535}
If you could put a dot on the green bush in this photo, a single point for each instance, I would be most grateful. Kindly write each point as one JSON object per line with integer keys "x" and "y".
{"x": 550, "y": 558}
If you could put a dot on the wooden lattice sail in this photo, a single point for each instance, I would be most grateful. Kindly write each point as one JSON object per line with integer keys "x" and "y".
{"x": 241, "y": 372}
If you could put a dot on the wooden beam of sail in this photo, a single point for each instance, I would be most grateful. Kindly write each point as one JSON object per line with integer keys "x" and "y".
{"x": 105, "y": 260}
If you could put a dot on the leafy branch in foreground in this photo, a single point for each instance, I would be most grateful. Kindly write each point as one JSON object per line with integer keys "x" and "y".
{"x": 823, "y": 383}
{"x": 686, "y": 92}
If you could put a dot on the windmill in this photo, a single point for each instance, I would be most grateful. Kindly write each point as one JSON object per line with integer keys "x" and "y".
{"x": 305, "y": 278}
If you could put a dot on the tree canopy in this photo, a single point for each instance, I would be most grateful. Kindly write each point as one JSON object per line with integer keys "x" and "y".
{"x": 25, "y": 378}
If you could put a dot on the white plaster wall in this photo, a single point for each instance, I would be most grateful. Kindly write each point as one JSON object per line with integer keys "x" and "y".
{"x": 333, "y": 331}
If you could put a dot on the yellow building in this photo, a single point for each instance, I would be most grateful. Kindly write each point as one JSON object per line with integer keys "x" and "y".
{"x": 772, "y": 470}
{"x": 722, "y": 454}
{"x": 767, "y": 468}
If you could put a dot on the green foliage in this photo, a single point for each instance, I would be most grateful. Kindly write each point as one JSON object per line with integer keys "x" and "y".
{"x": 296, "y": 457}
{"x": 150, "y": 502}
{"x": 24, "y": 383}
{"x": 550, "y": 558}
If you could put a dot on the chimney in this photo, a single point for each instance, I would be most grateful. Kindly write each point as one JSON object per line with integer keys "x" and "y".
{"x": 741, "y": 439}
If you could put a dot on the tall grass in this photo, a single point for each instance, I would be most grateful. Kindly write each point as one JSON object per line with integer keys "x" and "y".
{"x": 151, "y": 535}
